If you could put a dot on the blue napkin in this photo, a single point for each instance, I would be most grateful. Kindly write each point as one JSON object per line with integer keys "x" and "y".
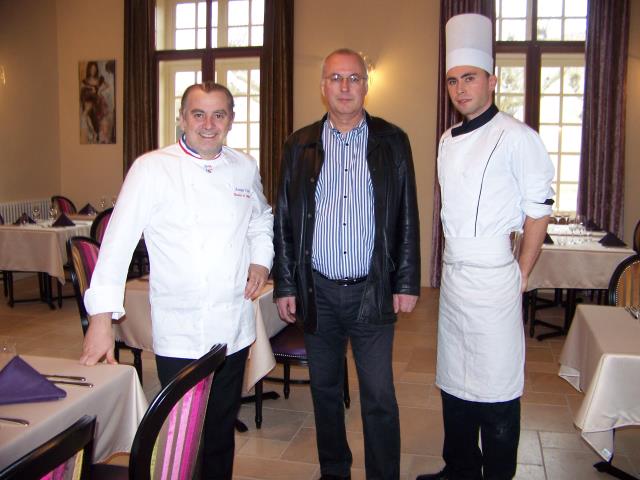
{"x": 88, "y": 209}
{"x": 21, "y": 383}
{"x": 63, "y": 221}
{"x": 610, "y": 240}
{"x": 592, "y": 226}
{"x": 24, "y": 218}
{"x": 547, "y": 239}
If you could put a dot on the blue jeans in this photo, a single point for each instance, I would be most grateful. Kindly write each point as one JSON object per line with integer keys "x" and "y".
{"x": 372, "y": 347}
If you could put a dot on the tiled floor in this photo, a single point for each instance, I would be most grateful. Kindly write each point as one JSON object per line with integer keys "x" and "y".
{"x": 550, "y": 446}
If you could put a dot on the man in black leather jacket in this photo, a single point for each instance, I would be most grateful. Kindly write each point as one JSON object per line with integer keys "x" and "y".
{"x": 348, "y": 260}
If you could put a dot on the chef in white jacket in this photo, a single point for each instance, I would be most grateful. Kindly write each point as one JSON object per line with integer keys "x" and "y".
{"x": 495, "y": 178}
{"x": 209, "y": 231}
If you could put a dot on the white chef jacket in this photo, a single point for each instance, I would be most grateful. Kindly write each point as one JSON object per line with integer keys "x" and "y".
{"x": 490, "y": 178}
{"x": 204, "y": 222}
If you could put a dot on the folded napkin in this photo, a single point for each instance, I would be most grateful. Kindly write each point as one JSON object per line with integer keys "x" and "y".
{"x": 63, "y": 221}
{"x": 592, "y": 226}
{"x": 610, "y": 240}
{"x": 21, "y": 383}
{"x": 88, "y": 209}
{"x": 547, "y": 239}
{"x": 24, "y": 218}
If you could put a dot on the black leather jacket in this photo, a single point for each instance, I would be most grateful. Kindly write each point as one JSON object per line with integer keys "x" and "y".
{"x": 395, "y": 261}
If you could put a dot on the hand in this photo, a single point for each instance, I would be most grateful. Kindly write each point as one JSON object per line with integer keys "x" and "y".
{"x": 256, "y": 279}
{"x": 98, "y": 341}
{"x": 404, "y": 303}
{"x": 523, "y": 282}
{"x": 287, "y": 308}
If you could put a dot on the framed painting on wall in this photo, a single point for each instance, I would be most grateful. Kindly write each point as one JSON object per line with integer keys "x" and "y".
{"x": 97, "y": 101}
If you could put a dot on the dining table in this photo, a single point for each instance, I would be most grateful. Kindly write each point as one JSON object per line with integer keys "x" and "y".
{"x": 134, "y": 328}
{"x": 38, "y": 248}
{"x": 574, "y": 261}
{"x": 601, "y": 357}
{"x": 116, "y": 399}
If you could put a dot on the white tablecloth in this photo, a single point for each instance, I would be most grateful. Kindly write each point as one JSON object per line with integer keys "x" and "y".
{"x": 34, "y": 248}
{"x": 116, "y": 399}
{"x": 601, "y": 357}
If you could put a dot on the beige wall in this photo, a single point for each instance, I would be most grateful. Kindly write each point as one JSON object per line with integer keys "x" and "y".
{"x": 88, "y": 30}
{"x": 632, "y": 146}
{"x": 404, "y": 48}
{"x": 29, "y": 158}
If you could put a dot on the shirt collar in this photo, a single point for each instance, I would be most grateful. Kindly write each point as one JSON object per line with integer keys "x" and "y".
{"x": 357, "y": 129}
{"x": 475, "y": 123}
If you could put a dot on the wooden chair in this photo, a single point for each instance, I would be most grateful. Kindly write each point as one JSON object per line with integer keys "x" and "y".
{"x": 288, "y": 349}
{"x": 67, "y": 455}
{"x": 624, "y": 286}
{"x": 99, "y": 224}
{"x": 63, "y": 204}
{"x": 167, "y": 441}
{"x": 83, "y": 255}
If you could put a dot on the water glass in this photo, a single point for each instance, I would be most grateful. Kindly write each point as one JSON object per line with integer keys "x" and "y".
{"x": 103, "y": 203}
{"x": 53, "y": 212}
{"x": 35, "y": 213}
{"x": 7, "y": 350}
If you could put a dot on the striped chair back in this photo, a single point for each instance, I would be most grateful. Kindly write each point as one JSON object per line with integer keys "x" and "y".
{"x": 624, "y": 286}
{"x": 67, "y": 456}
{"x": 167, "y": 443}
{"x": 82, "y": 253}
{"x": 63, "y": 204}
{"x": 99, "y": 225}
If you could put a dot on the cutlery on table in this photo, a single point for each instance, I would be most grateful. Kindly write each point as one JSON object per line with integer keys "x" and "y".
{"x": 633, "y": 311}
{"x": 79, "y": 384}
{"x": 17, "y": 421}
{"x": 67, "y": 377}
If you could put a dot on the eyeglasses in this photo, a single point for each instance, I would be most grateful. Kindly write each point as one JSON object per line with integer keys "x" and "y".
{"x": 354, "y": 78}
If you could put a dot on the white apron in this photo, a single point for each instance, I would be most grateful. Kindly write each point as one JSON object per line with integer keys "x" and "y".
{"x": 480, "y": 334}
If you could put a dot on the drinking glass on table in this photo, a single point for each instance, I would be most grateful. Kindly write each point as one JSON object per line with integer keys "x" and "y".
{"x": 103, "y": 203}
{"x": 35, "y": 213}
{"x": 7, "y": 350}
{"x": 53, "y": 213}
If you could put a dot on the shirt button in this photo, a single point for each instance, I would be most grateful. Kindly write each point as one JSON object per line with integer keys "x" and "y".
{"x": 345, "y": 196}
{"x": 344, "y": 252}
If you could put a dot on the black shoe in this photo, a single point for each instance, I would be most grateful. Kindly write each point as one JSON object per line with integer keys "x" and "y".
{"x": 334, "y": 477}
{"x": 441, "y": 475}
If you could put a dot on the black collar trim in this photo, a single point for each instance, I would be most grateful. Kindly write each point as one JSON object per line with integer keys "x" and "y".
{"x": 470, "y": 125}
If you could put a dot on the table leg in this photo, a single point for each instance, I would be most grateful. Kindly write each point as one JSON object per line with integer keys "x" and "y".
{"x": 606, "y": 467}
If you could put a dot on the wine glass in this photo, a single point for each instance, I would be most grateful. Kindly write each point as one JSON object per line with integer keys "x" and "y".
{"x": 35, "y": 213}
{"x": 103, "y": 203}
{"x": 113, "y": 201}
{"x": 53, "y": 212}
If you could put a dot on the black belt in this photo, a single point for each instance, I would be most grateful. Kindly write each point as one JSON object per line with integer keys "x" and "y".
{"x": 343, "y": 282}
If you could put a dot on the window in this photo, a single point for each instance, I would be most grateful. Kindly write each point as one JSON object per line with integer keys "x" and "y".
{"x": 541, "y": 79}
{"x": 210, "y": 40}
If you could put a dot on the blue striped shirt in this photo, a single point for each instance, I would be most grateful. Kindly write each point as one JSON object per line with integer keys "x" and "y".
{"x": 345, "y": 224}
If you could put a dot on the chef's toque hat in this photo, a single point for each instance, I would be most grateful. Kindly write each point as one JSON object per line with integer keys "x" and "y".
{"x": 469, "y": 40}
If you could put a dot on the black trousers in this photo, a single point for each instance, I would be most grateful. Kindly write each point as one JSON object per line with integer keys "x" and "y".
{"x": 497, "y": 424}
{"x": 222, "y": 410}
{"x": 372, "y": 350}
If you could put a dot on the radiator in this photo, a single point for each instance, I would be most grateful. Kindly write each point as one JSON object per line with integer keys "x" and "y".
{"x": 11, "y": 211}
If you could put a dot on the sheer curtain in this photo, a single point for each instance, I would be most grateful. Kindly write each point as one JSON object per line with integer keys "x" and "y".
{"x": 447, "y": 116}
{"x": 601, "y": 182}
{"x": 276, "y": 90}
{"x": 139, "y": 85}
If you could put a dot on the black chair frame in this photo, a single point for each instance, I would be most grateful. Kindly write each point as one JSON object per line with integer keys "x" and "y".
{"x": 55, "y": 452}
{"x": 615, "y": 277}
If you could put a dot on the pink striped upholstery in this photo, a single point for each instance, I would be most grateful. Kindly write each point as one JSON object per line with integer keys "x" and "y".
{"x": 99, "y": 225}
{"x": 176, "y": 450}
{"x": 63, "y": 204}
{"x": 84, "y": 256}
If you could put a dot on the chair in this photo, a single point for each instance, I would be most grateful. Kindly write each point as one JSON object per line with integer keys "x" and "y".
{"x": 167, "y": 441}
{"x": 6, "y": 276}
{"x": 624, "y": 286}
{"x": 60, "y": 457}
{"x": 636, "y": 237}
{"x": 288, "y": 349}
{"x": 83, "y": 255}
{"x": 63, "y": 204}
{"x": 99, "y": 225}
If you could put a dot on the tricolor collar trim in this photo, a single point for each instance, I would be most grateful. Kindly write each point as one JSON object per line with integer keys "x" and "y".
{"x": 471, "y": 125}
{"x": 190, "y": 151}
